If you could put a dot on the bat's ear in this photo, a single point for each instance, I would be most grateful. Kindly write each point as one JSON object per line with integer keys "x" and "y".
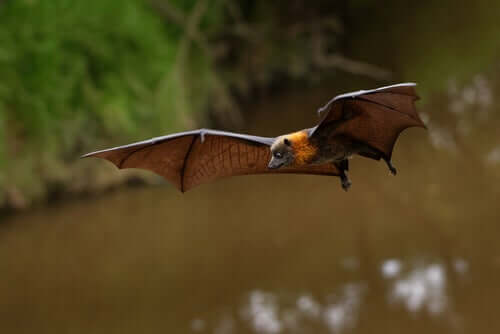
{"x": 287, "y": 142}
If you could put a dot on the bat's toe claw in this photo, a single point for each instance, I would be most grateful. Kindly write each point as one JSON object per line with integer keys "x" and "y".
{"x": 392, "y": 169}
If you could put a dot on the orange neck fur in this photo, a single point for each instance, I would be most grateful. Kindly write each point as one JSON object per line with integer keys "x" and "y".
{"x": 303, "y": 149}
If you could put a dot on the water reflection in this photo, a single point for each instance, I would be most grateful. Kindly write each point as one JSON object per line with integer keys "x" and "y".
{"x": 271, "y": 313}
{"x": 475, "y": 96}
{"x": 442, "y": 138}
{"x": 343, "y": 312}
{"x": 424, "y": 288}
{"x": 308, "y": 306}
{"x": 417, "y": 286}
{"x": 391, "y": 268}
{"x": 262, "y": 311}
{"x": 470, "y": 121}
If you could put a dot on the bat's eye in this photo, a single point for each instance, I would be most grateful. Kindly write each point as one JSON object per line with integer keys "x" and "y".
{"x": 278, "y": 155}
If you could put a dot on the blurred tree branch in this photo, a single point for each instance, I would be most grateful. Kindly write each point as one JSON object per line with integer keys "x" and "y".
{"x": 353, "y": 66}
{"x": 336, "y": 60}
{"x": 323, "y": 59}
{"x": 225, "y": 107}
{"x": 188, "y": 23}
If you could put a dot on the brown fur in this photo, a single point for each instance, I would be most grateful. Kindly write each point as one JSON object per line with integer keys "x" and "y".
{"x": 304, "y": 151}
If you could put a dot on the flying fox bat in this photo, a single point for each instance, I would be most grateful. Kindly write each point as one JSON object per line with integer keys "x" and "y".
{"x": 366, "y": 122}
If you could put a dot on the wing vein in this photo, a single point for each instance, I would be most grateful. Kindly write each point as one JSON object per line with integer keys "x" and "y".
{"x": 386, "y": 106}
{"x": 129, "y": 155}
{"x": 185, "y": 162}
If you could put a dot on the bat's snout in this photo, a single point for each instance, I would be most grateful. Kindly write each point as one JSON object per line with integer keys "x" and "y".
{"x": 274, "y": 164}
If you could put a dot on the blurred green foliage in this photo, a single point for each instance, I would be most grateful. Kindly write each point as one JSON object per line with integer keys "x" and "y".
{"x": 77, "y": 74}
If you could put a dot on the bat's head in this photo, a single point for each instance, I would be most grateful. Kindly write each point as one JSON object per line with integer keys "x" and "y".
{"x": 281, "y": 153}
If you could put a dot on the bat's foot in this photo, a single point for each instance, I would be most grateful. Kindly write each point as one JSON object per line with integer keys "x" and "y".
{"x": 343, "y": 167}
{"x": 392, "y": 169}
{"x": 345, "y": 182}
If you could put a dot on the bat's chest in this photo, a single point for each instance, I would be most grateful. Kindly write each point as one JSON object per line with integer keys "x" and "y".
{"x": 333, "y": 155}
{"x": 334, "y": 150}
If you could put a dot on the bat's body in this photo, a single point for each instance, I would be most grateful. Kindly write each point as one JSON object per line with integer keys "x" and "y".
{"x": 323, "y": 148}
{"x": 366, "y": 123}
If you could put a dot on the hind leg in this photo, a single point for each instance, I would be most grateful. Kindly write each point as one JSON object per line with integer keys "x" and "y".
{"x": 343, "y": 167}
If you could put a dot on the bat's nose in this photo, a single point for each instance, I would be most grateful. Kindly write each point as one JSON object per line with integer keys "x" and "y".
{"x": 273, "y": 164}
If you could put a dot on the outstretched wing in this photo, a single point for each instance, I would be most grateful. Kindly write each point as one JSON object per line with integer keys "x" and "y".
{"x": 373, "y": 117}
{"x": 188, "y": 159}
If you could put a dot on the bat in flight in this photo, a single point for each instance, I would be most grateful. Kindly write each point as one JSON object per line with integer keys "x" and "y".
{"x": 366, "y": 122}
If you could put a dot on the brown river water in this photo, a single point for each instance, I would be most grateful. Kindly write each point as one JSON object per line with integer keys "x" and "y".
{"x": 412, "y": 253}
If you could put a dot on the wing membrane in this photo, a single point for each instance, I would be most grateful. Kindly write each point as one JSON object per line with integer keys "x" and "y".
{"x": 193, "y": 158}
{"x": 374, "y": 117}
